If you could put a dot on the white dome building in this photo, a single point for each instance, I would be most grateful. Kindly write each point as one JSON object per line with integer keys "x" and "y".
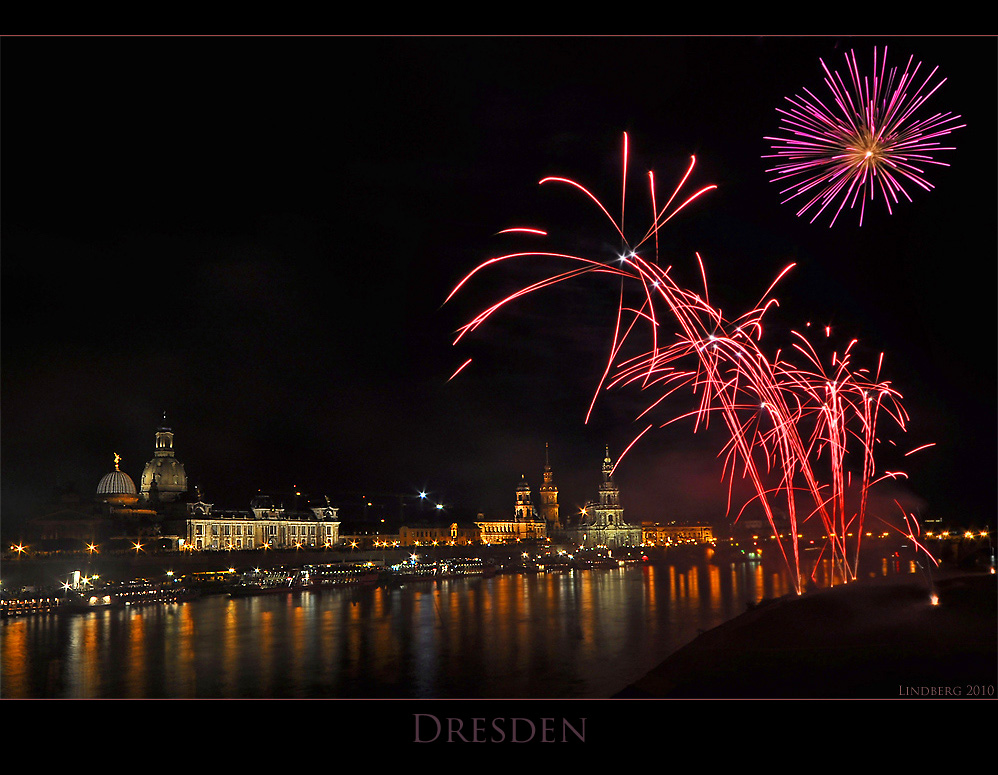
{"x": 117, "y": 487}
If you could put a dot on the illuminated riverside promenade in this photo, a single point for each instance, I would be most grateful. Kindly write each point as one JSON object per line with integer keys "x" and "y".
{"x": 563, "y": 634}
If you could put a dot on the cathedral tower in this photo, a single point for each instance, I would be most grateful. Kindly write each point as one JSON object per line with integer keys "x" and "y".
{"x": 606, "y": 511}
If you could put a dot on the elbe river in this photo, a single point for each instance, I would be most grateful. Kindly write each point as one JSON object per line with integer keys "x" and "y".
{"x": 577, "y": 634}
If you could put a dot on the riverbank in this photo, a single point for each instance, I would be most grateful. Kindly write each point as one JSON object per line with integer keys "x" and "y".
{"x": 879, "y": 638}
{"x": 53, "y": 569}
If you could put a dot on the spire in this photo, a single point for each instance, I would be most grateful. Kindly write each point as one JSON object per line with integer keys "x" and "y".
{"x": 117, "y": 459}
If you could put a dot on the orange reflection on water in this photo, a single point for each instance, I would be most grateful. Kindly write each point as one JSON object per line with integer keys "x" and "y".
{"x": 14, "y": 660}
{"x": 135, "y": 668}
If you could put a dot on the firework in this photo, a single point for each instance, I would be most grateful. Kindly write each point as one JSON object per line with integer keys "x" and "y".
{"x": 867, "y": 143}
{"x": 797, "y": 421}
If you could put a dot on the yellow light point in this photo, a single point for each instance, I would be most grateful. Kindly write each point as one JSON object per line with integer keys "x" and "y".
{"x": 92, "y": 548}
{"x": 117, "y": 459}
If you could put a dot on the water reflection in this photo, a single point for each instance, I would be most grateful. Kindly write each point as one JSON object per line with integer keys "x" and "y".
{"x": 578, "y": 634}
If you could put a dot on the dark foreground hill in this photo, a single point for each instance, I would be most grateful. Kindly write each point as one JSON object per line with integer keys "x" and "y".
{"x": 872, "y": 639}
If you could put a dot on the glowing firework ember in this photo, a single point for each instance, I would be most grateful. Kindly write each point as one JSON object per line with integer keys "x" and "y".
{"x": 782, "y": 420}
{"x": 868, "y": 143}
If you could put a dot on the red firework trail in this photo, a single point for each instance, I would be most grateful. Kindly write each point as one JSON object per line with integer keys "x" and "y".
{"x": 868, "y": 142}
{"x": 797, "y": 423}
{"x": 459, "y": 369}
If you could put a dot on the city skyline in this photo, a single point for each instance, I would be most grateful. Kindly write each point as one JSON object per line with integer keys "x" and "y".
{"x": 257, "y": 236}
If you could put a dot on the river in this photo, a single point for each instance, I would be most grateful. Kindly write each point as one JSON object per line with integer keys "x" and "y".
{"x": 576, "y": 634}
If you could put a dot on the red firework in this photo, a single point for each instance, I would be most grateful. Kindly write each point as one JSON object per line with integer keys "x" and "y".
{"x": 800, "y": 422}
{"x": 868, "y": 142}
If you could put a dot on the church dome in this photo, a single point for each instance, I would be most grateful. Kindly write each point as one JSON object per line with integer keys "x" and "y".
{"x": 164, "y": 477}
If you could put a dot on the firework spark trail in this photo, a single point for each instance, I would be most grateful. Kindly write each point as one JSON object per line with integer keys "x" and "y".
{"x": 867, "y": 142}
{"x": 845, "y": 407}
{"x": 766, "y": 404}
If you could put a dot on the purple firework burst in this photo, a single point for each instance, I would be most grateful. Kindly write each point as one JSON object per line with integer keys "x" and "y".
{"x": 868, "y": 143}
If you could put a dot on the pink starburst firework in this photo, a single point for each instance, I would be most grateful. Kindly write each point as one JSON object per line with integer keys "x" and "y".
{"x": 868, "y": 143}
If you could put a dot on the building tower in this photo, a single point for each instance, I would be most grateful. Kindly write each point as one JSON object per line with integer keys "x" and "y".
{"x": 548, "y": 493}
{"x": 606, "y": 512}
{"x": 164, "y": 478}
{"x": 524, "y": 503}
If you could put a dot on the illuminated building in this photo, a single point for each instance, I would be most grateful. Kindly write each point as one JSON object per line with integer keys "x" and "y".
{"x": 504, "y": 531}
{"x": 118, "y": 501}
{"x": 266, "y": 524}
{"x": 438, "y": 535}
{"x": 523, "y": 525}
{"x": 76, "y": 521}
{"x": 117, "y": 487}
{"x": 524, "y": 509}
{"x": 658, "y": 534}
{"x": 602, "y": 521}
{"x": 548, "y": 493}
{"x": 164, "y": 479}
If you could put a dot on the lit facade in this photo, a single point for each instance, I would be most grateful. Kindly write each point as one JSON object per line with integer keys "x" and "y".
{"x": 438, "y": 535}
{"x": 217, "y": 532}
{"x": 504, "y": 531}
{"x": 657, "y": 534}
{"x": 548, "y": 495}
{"x": 263, "y": 526}
{"x": 602, "y": 521}
{"x": 163, "y": 478}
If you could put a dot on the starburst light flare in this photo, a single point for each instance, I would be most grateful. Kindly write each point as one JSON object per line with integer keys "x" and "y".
{"x": 867, "y": 142}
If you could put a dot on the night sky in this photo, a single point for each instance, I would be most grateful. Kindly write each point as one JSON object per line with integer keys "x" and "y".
{"x": 256, "y": 235}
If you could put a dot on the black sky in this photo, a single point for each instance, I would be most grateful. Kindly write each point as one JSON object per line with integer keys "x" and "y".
{"x": 256, "y": 235}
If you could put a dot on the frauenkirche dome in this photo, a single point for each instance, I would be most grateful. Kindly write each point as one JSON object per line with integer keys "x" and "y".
{"x": 164, "y": 477}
